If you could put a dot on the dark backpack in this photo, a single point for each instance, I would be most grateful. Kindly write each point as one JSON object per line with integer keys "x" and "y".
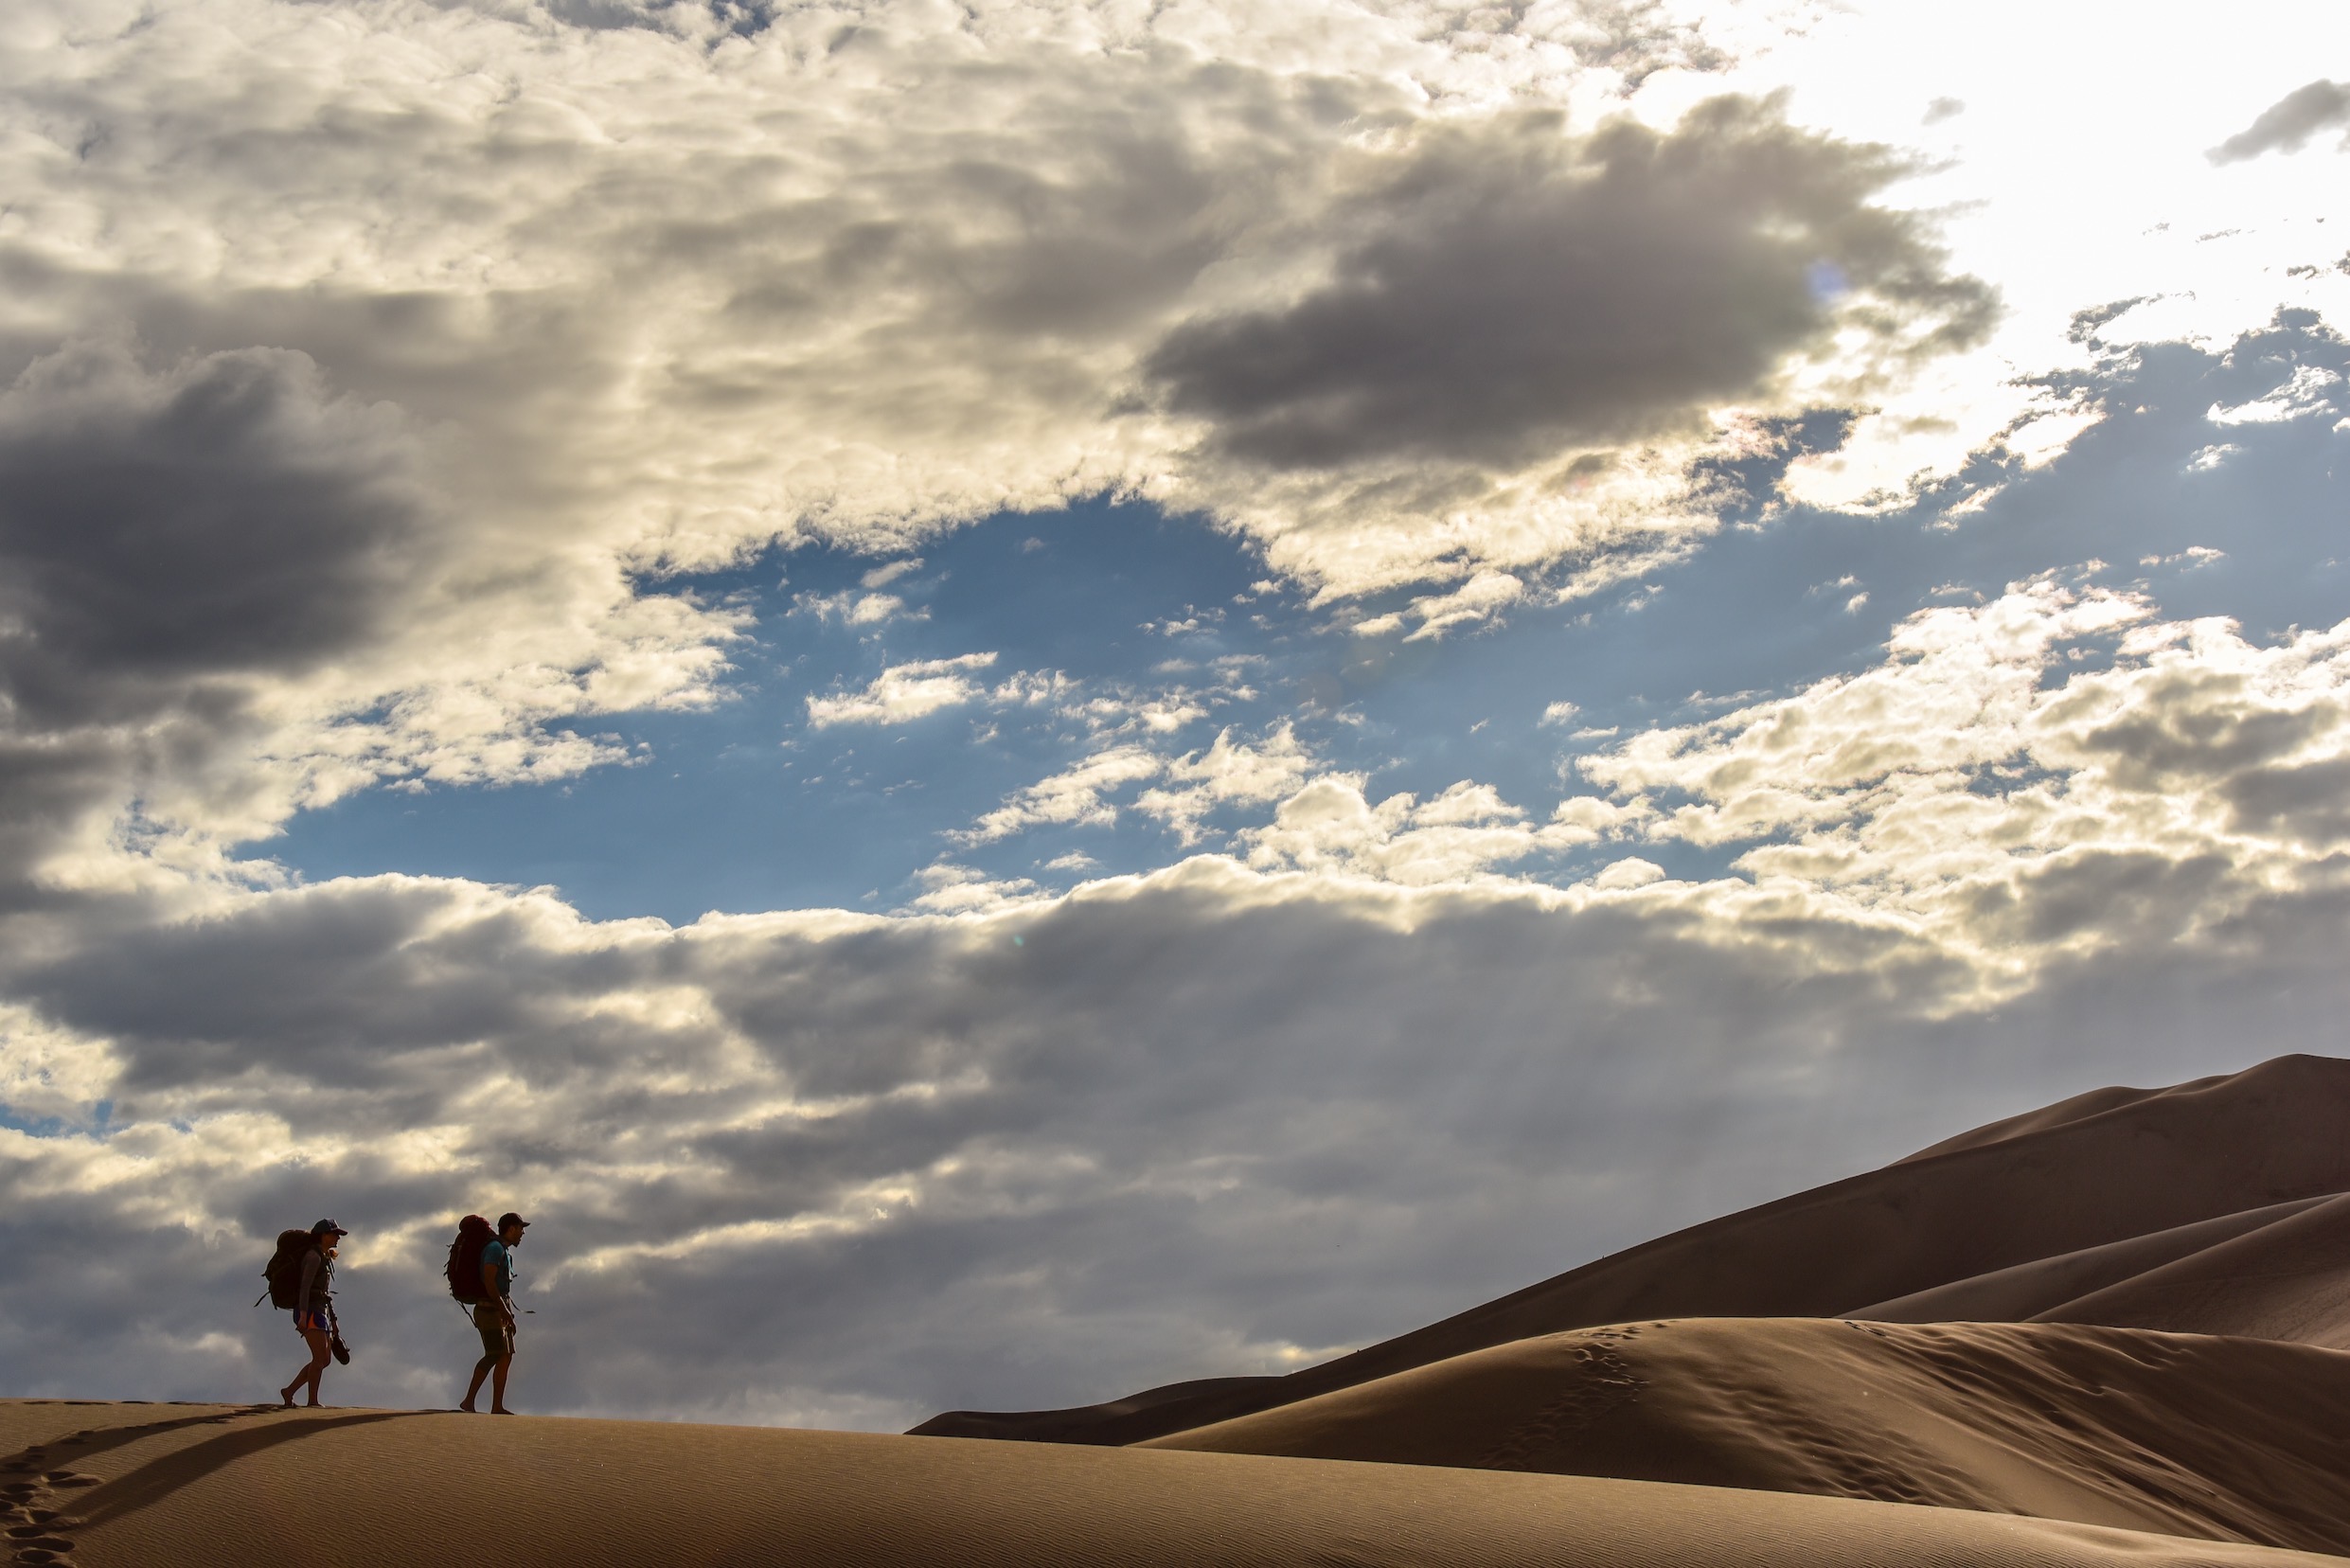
{"x": 284, "y": 1272}
{"x": 465, "y": 1277}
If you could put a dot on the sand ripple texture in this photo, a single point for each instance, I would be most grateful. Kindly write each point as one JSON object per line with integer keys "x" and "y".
{"x": 221, "y": 1487}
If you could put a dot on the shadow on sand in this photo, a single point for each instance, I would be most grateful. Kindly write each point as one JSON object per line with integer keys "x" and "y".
{"x": 40, "y": 1524}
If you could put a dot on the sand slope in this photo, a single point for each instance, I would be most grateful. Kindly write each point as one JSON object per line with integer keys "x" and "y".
{"x": 2281, "y": 1273}
{"x": 2098, "y": 1169}
{"x": 2286, "y": 1280}
{"x": 2185, "y": 1435}
{"x": 143, "y": 1487}
{"x": 2045, "y": 1284}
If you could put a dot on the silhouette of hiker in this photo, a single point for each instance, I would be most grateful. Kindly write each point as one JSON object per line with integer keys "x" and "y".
{"x": 313, "y": 1309}
{"x": 494, "y": 1315}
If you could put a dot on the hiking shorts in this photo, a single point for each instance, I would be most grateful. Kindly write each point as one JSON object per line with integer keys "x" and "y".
{"x": 305, "y": 1322}
{"x": 497, "y": 1340}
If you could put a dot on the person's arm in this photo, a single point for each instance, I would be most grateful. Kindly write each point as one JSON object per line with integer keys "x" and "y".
{"x": 497, "y": 1278}
{"x": 305, "y": 1299}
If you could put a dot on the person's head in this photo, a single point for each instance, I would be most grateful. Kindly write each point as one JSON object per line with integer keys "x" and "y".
{"x": 325, "y": 1233}
{"x": 510, "y": 1227}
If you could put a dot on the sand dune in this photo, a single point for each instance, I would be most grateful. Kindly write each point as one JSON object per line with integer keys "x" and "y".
{"x": 2052, "y": 1186}
{"x": 2288, "y": 1281}
{"x": 2185, "y": 1435}
{"x": 139, "y": 1485}
{"x": 2045, "y": 1284}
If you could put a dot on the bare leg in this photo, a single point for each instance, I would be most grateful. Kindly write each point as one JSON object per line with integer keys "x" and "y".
{"x": 319, "y": 1355}
{"x": 481, "y": 1373}
{"x": 497, "y": 1386}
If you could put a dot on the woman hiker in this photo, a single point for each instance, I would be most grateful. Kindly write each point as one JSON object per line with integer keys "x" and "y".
{"x": 314, "y": 1314}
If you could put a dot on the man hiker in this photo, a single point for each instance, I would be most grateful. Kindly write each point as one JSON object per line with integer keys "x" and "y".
{"x": 313, "y": 1307}
{"x": 495, "y": 1314}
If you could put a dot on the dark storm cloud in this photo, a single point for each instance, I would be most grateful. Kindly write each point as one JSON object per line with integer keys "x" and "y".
{"x": 1091, "y": 216}
{"x": 222, "y": 520}
{"x": 171, "y": 542}
{"x": 1507, "y": 290}
{"x": 2287, "y": 124}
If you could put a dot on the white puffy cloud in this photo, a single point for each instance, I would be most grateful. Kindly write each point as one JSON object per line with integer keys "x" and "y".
{"x": 1077, "y": 796}
{"x": 48, "y": 1072}
{"x": 1631, "y": 871}
{"x": 1461, "y": 834}
{"x": 2053, "y": 771}
{"x": 1958, "y": 684}
{"x": 1480, "y": 598}
{"x": 854, "y": 609}
{"x": 1191, "y": 786}
{"x": 2306, "y": 393}
{"x": 1228, "y": 773}
{"x": 951, "y": 889}
{"x": 904, "y": 692}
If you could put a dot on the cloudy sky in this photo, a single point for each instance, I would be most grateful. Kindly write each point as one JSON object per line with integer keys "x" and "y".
{"x": 1014, "y": 700}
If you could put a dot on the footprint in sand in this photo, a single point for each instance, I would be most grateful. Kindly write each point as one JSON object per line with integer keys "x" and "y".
{"x": 30, "y": 1532}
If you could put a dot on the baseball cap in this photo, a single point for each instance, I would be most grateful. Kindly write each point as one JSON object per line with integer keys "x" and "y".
{"x": 325, "y": 1225}
{"x": 510, "y": 1217}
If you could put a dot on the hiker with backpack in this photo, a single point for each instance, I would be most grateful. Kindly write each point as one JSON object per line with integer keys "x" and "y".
{"x": 481, "y": 1276}
{"x": 301, "y": 1279}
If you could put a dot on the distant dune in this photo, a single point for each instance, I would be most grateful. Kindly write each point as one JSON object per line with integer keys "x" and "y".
{"x": 2199, "y": 1197}
{"x": 148, "y": 1486}
{"x": 2115, "y": 1331}
{"x": 2130, "y": 1310}
{"x": 2182, "y": 1433}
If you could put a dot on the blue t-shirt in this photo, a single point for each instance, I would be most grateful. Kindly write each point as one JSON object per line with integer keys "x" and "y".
{"x": 497, "y": 1269}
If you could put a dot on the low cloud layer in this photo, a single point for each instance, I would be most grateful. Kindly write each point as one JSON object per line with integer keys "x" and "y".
{"x": 1041, "y": 1165}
